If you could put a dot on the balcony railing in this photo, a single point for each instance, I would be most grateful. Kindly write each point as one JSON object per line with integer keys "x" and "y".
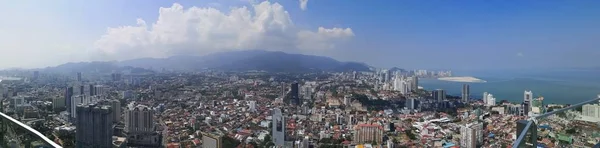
{"x": 15, "y": 134}
{"x": 559, "y": 127}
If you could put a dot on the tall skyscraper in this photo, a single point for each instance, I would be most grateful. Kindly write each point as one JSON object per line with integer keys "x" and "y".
{"x": 278, "y": 127}
{"x": 491, "y": 101}
{"x": 2, "y": 91}
{"x": 415, "y": 83}
{"x": 90, "y": 91}
{"x": 466, "y": 93}
{"x": 100, "y": 89}
{"x": 58, "y": 103}
{"x": 140, "y": 126}
{"x": 411, "y": 103}
{"x": 81, "y": 90}
{"x": 116, "y": 76}
{"x": 79, "y": 77}
{"x": 387, "y": 76}
{"x": 467, "y": 137}
{"x": 439, "y": 94}
{"x": 528, "y": 96}
{"x": 94, "y": 126}
{"x": 80, "y": 100}
{"x": 484, "y": 99}
{"x": 471, "y": 135}
{"x": 295, "y": 93}
{"x": 68, "y": 95}
{"x": 283, "y": 90}
{"x": 116, "y": 107}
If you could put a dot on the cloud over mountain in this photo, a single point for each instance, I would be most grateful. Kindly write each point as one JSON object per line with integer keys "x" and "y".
{"x": 200, "y": 31}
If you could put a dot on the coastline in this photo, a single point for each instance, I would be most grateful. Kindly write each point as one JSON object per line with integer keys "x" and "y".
{"x": 466, "y": 79}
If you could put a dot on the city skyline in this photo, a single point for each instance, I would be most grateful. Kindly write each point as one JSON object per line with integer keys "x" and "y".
{"x": 406, "y": 34}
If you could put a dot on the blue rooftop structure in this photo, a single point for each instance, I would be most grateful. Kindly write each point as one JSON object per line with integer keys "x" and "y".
{"x": 448, "y": 144}
{"x": 546, "y": 126}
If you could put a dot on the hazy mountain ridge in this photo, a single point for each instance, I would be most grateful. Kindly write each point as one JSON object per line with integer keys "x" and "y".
{"x": 273, "y": 61}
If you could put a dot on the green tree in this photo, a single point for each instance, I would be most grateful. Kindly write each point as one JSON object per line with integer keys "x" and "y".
{"x": 571, "y": 131}
{"x": 230, "y": 142}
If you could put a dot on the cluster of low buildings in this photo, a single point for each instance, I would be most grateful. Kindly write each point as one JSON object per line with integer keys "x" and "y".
{"x": 382, "y": 109}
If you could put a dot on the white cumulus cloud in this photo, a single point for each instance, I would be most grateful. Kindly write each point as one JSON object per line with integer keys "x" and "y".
{"x": 199, "y": 31}
{"x": 303, "y": 4}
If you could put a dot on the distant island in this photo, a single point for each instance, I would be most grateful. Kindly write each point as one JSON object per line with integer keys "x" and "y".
{"x": 462, "y": 79}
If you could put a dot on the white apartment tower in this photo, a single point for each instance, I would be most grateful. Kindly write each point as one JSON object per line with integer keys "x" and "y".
{"x": 140, "y": 126}
{"x": 485, "y": 94}
{"x": 528, "y": 96}
{"x": 278, "y": 127}
{"x": 491, "y": 101}
{"x": 471, "y": 135}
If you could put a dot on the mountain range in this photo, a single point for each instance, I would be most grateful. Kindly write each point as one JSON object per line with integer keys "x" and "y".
{"x": 272, "y": 61}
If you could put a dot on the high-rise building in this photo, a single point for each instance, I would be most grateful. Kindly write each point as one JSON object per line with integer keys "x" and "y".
{"x": 307, "y": 92}
{"x": 94, "y": 126}
{"x": 439, "y": 94}
{"x": 411, "y": 103}
{"x": 347, "y": 100}
{"x": 415, "y": 83}
{"x": 58, "y": 103}
{"x": 295, "y": 93}
{"x": 387, "y": 76}
{"x": 116, "y": 76}
{"x": 90, "y": 90}
{"x": 252, "y": 106}
{"x": 68, "y": 95}
{"x": 80, "y": 100}
{"x": 283, "y": 90}
{"x": 466, "y": 93}
{"x": 366, "y": 133}
{"x": 116, "y": 107}
{"x": 528, "y": 96}
{"x": 491, "y": 101}
{"x": 390, "y": 143}
{"x": 591, "y": 110}
{"x": 2, "y": 91}
{"x": 79, "y": 77}
{"x": 212, "y": 140}
{"x": 484, "y": 99}
{"x": 140, "y": 126}
{"x": 278, "y": 127}
{"x": 81, "y": 90}
{"x": 100, "y": 89}
{"x": 468, "y": 138}
{"x": 471, "y": 135}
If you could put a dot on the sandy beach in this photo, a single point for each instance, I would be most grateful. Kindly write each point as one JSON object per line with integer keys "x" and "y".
{"x": 462, "y": 79}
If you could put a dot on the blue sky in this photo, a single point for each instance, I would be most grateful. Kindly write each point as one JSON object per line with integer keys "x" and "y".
{"x": 435, "y": 34}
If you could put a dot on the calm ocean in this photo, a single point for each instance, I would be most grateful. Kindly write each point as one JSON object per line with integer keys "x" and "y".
{"x": 556, "y": 86}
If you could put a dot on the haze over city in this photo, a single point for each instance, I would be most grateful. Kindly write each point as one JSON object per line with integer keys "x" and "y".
{"x": 299, "y": 74}
{"x": 408, "y": 34}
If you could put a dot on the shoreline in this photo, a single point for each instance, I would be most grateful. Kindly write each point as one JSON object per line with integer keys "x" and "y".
{"x": 466, "y": 79}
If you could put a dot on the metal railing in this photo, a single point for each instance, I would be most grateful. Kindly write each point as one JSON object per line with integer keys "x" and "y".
{"x": 527, "y": 130}
{"x": 15, "y": 134}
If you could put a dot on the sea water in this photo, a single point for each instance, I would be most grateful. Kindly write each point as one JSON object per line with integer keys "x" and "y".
{"x": 564, "y": 86}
